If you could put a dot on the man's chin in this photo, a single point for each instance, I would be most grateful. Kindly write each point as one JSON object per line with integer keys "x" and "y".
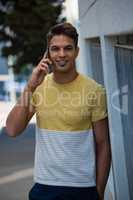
{"x": 62, "y": 69}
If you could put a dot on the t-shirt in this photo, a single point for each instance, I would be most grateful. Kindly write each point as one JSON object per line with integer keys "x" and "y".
{"x": 65, "y": 148}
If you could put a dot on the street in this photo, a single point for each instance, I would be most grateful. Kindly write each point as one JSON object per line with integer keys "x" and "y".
{"x": 16, "y": 164}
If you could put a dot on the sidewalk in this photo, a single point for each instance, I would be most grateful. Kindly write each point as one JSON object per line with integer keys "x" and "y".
{"x": 16, "y": 164}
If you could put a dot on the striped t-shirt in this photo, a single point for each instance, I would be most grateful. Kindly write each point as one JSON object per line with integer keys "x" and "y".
{"x": 65, "y": 147}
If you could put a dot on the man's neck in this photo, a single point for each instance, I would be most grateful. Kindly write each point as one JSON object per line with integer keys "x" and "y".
{"x": 64, "y": 77}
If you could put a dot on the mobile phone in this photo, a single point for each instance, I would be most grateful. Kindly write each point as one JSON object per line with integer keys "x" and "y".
{"x": 46, "y": 55}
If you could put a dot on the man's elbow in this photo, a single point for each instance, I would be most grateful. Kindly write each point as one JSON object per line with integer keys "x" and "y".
{"x": 11, "y": 130}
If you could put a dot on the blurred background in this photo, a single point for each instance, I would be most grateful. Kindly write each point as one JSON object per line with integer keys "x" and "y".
{"x": 23, "y": 29}
{"x": 106, "y": 54}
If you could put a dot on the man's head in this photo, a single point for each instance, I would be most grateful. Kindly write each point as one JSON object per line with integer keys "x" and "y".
{"x": 66, "y": 29}
{"x": 62, "y": 42}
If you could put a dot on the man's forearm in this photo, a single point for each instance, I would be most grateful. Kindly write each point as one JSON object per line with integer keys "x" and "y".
{"x": 20, "y": 114}
{"x": 103, "y": 155}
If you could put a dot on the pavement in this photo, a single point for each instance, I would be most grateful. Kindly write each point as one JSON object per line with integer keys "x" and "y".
{"x": 16, "y": 164}
{"x": 16, "y": 160}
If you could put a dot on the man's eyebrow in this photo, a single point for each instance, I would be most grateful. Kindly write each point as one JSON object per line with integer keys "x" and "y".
{"x": 68, "y": 45}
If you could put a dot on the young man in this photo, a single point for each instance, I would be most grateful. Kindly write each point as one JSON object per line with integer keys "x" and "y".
{"x": 72, "y": 158}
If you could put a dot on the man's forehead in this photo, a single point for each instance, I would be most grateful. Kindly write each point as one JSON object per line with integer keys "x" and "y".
{"x": 58, "y": 40}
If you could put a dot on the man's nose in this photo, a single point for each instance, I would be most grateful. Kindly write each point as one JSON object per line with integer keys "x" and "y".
{"x": 62, "y": 52}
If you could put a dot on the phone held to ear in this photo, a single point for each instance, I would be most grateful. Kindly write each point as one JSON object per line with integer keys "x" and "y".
{"x": 49, "y": 65}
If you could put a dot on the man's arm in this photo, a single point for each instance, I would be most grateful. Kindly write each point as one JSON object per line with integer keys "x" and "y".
{"x": 23, "y": 111}
{"x": 103, "y": 154}
{"x": 20, "y": 115}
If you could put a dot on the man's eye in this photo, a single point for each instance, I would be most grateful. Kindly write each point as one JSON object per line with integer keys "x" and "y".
{"x": 69, "y": 48}
{"x": 54, "y": 49}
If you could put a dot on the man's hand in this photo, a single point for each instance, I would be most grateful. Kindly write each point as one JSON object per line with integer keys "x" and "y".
{"x": 101, "y": 194}
{"x": 39, "y": 73}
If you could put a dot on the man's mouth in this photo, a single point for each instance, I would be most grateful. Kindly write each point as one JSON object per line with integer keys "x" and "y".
{"x": 61, "y": 63}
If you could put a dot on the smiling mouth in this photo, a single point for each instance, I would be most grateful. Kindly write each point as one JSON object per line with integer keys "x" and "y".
{"x": 61, "y": 63}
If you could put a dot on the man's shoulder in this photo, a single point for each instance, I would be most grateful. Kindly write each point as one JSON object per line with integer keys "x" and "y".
{"x": 92, "y": 87}
{"x": 90, "y": 82}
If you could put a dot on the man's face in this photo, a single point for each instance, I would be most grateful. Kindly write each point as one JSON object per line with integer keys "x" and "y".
{"x": 62, "y": 53}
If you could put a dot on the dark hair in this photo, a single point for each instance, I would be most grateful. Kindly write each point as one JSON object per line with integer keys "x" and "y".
{"x": 63, "y": 29}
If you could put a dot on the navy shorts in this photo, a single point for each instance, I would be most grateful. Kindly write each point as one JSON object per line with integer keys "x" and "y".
{"x": 46, "y": 192}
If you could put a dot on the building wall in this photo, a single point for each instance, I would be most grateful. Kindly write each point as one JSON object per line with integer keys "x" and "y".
{"x": 105, "y": 17}
{"x": 124, "y": 63}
